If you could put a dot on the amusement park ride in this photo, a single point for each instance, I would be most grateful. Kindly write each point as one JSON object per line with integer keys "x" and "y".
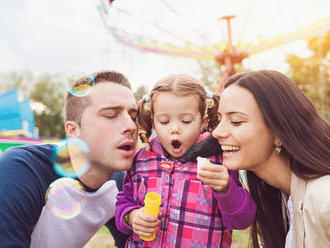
{"x": 224, "y": 54}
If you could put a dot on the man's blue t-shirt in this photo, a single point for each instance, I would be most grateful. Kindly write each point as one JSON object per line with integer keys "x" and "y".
{"x": 25, "y": 175}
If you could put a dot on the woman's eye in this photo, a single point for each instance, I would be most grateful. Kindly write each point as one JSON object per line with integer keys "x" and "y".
{"x": 236, "y": 123}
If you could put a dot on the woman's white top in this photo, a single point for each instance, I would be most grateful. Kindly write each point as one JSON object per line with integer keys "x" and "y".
{"x": 289, "y": 212}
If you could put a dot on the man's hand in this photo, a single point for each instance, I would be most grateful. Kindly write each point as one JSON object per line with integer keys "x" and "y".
{"x": 214, "y": 175}
{"x": 143, "y": 224}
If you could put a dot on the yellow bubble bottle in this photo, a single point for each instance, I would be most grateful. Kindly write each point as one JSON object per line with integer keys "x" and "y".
{"x": 152, "y": 201}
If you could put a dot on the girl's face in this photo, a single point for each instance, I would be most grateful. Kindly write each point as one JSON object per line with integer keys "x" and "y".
{"x": 246, "y": 141}
{"x": 177, "y": 122}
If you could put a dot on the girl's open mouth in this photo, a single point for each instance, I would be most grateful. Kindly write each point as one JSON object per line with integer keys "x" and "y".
{"x": 176, "y": 146}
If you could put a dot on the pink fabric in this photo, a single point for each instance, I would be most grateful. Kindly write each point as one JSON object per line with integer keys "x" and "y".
{"x": 191, "y": 210}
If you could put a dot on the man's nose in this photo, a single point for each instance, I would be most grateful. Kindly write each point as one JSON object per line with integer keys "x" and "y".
{"x": 129, "y": 124}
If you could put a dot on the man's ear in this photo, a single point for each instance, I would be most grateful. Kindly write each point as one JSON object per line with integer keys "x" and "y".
{"x": 205, "y": 121}
{"x": 72, "y": 129}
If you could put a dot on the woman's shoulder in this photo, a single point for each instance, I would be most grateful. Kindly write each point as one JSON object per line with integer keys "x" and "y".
{"x": 318, "y": 201}
{"x": 314, "y": 192}
{"x": 319, "y": 185}
{"x": 318, "y": 196}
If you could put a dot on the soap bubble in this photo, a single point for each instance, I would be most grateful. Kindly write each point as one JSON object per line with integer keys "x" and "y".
{"x": 83, "y": 88}
{"x": 70, "y": 157}
{"x": 66, "y": 198}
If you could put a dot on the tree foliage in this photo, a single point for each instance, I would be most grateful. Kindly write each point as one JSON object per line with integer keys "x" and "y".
{"x": 50, "y": 92}
{"x": 312, "y": 74}
{"x": 140, "y": 92}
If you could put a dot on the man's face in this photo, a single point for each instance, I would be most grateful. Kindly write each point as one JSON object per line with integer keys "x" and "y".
{"x": 108, "y": 126}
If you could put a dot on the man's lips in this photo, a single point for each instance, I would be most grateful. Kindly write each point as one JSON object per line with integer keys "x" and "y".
{"x": 127, "y": 147}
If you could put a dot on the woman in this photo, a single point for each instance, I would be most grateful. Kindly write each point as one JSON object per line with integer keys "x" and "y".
{"x": 267, "y": 126}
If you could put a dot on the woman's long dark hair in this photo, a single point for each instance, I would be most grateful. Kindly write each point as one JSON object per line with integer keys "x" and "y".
{"x": 305, "y": 137}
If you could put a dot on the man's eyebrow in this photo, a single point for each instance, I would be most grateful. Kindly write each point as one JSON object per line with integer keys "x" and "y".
{"x": 111, "y": 108}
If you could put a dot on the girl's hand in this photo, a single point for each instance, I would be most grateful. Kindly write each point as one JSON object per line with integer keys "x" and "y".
{"x": 214, "y": 175}
{"x": 143, "y": 224}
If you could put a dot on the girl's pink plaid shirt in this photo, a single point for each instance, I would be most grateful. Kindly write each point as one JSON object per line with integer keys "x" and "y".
{"x": 193, "y": 215}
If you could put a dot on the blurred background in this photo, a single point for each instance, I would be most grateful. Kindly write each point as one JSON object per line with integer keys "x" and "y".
{"x": 46, "y": 44}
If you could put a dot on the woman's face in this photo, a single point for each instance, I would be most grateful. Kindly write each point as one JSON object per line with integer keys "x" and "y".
{"x": 246, "y": 141}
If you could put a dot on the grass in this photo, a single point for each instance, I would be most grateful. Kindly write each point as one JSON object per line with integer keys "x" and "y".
{"x": 103, "y": 239}
{"x": 241, "y": 238}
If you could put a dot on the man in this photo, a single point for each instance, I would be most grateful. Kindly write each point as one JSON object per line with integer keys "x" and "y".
{"x": 105, "y": 120}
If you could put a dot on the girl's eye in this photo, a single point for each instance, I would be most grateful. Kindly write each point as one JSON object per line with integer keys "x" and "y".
{"x": 186, "y": 122}
{"x": 163, "y": 122}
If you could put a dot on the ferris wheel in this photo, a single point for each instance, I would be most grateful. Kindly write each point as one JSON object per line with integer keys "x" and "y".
{"x": 208, "y": 30}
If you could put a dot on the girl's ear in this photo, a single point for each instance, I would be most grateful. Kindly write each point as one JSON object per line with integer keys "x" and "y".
{"x": 205, "y": 121}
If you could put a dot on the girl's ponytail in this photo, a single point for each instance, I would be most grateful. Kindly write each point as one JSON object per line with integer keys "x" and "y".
{"x": 212, "y": 111}
{"x": 144, "y": 120}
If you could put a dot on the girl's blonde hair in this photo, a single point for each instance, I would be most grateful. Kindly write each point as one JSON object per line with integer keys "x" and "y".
{"x": 178, "y": 84}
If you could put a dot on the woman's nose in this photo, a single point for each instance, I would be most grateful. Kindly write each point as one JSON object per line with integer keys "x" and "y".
{"x": 220, "y": 131}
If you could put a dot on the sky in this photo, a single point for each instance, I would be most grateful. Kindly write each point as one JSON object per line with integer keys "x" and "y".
{"x": 68, "y": 36}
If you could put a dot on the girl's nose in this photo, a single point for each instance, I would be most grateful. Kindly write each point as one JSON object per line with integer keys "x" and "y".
{"x": 175, "y": 129}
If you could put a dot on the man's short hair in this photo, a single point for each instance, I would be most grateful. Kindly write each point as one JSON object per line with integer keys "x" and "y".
{"x": 75, "y": 105}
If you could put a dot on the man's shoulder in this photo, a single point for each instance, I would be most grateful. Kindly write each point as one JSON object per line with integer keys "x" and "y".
{"x": 34, "y": 149}
{"x": 27, "y": 152}
{"x": 34, "y": 160}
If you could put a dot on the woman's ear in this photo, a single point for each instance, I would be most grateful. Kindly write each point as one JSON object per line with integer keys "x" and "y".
{"x": 205, "y": 121}
{"x": 72, "y": 129}
{"x": 277, "y": 142}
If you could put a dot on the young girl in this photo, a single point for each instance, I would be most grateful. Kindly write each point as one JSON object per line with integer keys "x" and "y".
{"x": 197, "y": 210}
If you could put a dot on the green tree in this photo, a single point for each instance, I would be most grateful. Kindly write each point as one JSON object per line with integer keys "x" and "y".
{"x": 312, "y": 74}
{"x": 50, "y": 92}
{"x": 210, "y": 74}
{"x": 18, "y": 80}
{"x": 140, "y": 92}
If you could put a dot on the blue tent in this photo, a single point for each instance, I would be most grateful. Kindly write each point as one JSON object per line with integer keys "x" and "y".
{"x": 13, "y": 113}
{"x": 27, "y": 114}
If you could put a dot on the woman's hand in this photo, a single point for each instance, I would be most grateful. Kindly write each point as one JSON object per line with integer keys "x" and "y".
{"x": 214, "y": 175}
{"x": 143, "y": 224}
